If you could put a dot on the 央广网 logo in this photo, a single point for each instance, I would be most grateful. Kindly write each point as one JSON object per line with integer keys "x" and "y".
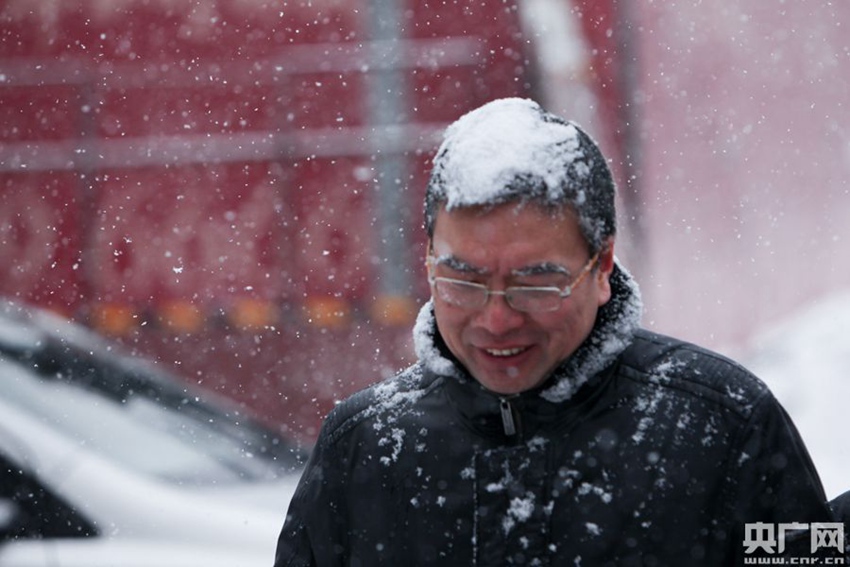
{"x": 770, "y": 538}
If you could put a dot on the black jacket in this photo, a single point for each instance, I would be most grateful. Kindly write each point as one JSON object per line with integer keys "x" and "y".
{"x": 640, "y": 450}
{"x": 840, "y": 506}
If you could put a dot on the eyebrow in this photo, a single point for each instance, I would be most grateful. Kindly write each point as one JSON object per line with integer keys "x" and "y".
{"x": 541, "y": 269}
{"x": 544, "y": 268}
{"x": 458, "y": 265}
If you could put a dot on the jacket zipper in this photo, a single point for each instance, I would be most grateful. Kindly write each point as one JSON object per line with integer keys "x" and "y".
{"x": 508, "y": 422}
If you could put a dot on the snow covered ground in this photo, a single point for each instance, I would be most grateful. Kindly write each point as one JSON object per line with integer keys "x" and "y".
{"x": 805, "y": 361}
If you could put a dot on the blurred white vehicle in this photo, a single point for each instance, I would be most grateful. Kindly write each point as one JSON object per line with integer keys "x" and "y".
{"x": 106, "y": 460}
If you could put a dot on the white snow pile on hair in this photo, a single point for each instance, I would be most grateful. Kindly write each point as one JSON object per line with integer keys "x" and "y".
{"x": 492, "y": 145}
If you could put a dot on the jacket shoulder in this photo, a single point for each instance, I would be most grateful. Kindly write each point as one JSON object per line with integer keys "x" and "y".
{"x": 675, "y": 364}
{"x": 392, "y": 396}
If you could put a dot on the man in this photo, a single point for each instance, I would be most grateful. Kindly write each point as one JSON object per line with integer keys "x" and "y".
{"x": 541, "y": 425}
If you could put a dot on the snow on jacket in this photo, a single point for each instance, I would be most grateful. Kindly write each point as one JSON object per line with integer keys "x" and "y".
{"x": 639, "y": 450}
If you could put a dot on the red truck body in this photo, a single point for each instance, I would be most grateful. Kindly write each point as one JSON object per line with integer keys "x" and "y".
{"x": 234, "y": 187}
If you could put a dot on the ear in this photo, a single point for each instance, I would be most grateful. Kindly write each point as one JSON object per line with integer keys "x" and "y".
{"x": 606, "y": 258}
{"x": 604, "y": 269}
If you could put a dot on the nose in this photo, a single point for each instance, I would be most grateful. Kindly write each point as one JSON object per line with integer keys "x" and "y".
{"x": 497, "y": 317}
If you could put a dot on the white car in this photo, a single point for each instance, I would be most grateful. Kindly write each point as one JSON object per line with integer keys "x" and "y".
{"x": 106, "y": 460}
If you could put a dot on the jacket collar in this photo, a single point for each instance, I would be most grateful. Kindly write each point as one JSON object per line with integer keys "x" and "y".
{"x": 612, "y": 333}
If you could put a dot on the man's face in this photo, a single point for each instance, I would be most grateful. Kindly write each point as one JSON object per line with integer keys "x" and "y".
{"x": 506, "y": 350}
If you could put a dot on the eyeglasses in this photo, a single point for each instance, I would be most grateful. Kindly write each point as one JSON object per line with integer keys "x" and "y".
{"x": 529, "y": 299}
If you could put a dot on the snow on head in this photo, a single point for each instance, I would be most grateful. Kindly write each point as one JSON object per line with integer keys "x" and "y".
{"x": 512, "y": 150}
{"x": 489, "y": 148}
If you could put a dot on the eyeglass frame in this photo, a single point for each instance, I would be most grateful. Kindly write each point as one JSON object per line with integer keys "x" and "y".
{"x": 563, "y": 293}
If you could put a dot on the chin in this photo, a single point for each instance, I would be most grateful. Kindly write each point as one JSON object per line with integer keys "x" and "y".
{"x": 507, "y": 386}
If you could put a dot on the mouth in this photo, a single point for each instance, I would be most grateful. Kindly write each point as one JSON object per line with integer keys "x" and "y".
{"x": 505, "y": 352}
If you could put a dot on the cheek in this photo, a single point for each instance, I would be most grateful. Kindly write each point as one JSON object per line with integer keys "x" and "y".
{"x": 449, "y": 323}
{"x": 573, "y": 325}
